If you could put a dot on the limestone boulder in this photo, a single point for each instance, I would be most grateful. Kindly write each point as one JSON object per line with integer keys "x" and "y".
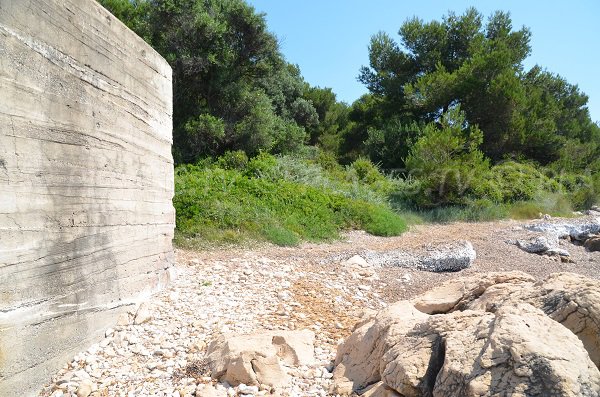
{"x": 500, "y": 334}
{"x": 570, "y": 299}
{"x": 258, "y": 358}
{"x": 359, "y": 359}
{"x": 440, "y": 257}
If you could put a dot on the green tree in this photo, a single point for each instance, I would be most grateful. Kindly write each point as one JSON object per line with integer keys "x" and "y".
{"x": 462, "y": 61}
{"x": 446, "y": 161}
{"x": 332, "y": 118}
{"x": 133, "y": 13}
{"x": 232, "y": 88}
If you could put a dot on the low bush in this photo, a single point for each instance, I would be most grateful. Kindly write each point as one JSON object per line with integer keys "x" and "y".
{"x": 583, "y": 190}
{"x": 512, "y": 182}
{"x": 445, "y": 163}
{"x": 235, "y": 160}
{"x": 219, "y": 206}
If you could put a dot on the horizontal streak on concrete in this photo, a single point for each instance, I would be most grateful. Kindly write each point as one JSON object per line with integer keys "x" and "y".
{"x": 86, "y": 181}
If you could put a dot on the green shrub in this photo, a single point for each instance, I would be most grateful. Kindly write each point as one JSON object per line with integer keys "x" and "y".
{"x": 585, "y": 197}
{"x": 525, "y": 210}
{"x": 380, "y": 221}
{"x": 204, "y": 134}
{"x": 261, "y": 166}
{"x": 365, "y": 171}
{"x": 555, "y": 204}
{"x": 446, "y": 163}
{"x": 227, "y": 205}
{"x": 583, "y": 190}
{"x": 233, "y": 160}
{"x": 476, "y": 211}
{"x": 309, "y": 172}
{"x": 280, "y": 236}
{"x": 328, "y": 161}
{"x": 520, "y": 182}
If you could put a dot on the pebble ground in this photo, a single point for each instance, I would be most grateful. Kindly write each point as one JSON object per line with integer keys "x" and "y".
{"x": 247, "y": 290}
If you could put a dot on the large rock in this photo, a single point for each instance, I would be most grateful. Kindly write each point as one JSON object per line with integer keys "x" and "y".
{"x": 257, "y": 358}
{"x": 446, "y": 257}
{"x": 592, "y": 244}
{"x": 86, "y": 181}
{"x": 501, "y": 334}
{"x": 458, "y": 293}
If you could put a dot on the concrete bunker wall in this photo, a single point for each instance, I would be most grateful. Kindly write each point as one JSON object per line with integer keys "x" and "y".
{"x": 86, "y": 181}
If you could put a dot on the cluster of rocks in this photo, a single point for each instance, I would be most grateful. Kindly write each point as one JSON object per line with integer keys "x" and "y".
{"x": 251, "y": 326}
{"x": 181, "y": 343}
{"x": 259, "y": 359}
{"x": 549, "y": 236}
{"x": 497, "y": 334}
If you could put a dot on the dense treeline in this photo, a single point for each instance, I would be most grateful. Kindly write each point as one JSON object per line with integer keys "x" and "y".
{"x": 460, "y": 62}
{"x": 452, "y": 118}
{"x": 233, "y": 90}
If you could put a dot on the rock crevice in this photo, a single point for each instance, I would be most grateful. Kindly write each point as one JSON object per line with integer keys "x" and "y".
{"x": 501, "y": 334}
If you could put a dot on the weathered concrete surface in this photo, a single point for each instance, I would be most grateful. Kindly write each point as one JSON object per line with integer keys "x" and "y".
{"x": 86, "y": 181}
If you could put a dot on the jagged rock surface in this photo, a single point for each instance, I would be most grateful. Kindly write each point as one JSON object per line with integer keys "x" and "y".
{"x": 86, "y": 181}
{"x": 501, "y": 334}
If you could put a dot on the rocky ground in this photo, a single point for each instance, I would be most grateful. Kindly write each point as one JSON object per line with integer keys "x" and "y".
{"x": 267, "y": 287}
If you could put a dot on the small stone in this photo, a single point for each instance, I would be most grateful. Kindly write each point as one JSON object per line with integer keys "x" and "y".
{"x": 198, "y": 324}
{"x": 557, "y": 251}
{"x": 143, "y": 314}
{"x": 210, "y": 391}
{"x": 123, "y": 319}
{"x": 197, "y": 346}
{"x": 356, "y": 260}
{"x": 244, "y": 389}
{"x": 592, "y": 244}
{"x": 66, "y": 385}
{"x": 85, "y": 388}
{"x": 151, "y": 365}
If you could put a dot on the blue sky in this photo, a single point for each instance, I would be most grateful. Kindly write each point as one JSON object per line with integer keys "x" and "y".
{"x": 329, "y": 38}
